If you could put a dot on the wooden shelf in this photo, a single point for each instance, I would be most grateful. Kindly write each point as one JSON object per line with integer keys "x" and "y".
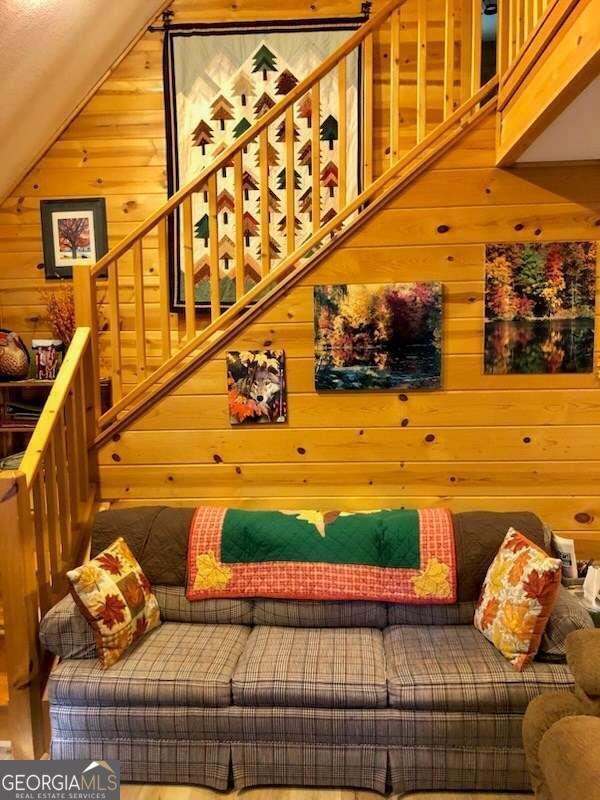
{"x": 10, "y": 428}
{"x": 29, "y": 383}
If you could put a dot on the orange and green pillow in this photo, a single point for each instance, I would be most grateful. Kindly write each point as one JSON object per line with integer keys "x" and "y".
{"x": 116, "y": 598}
{"x": 517, "y": 598}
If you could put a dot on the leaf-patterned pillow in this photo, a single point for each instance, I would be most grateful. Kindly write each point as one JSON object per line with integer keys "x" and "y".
{"x": 517, "y": 598}
{"x": 116, "y": 598}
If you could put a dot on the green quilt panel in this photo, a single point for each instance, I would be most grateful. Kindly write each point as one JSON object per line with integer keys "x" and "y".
{"x": 380, "y": 539}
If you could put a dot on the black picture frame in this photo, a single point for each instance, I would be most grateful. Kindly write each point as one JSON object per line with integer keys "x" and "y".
{"x": 96, "y": 206}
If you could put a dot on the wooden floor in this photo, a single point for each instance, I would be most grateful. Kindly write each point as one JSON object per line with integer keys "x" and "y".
{"x": 140, "y": 792}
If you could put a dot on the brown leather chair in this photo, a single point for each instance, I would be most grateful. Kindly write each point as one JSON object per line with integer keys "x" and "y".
{"x": 561, "y": 730}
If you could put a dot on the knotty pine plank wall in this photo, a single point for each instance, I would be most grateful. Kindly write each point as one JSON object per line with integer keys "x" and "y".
{"x": 482, "y": 442}
{"x": 115, "y": 148}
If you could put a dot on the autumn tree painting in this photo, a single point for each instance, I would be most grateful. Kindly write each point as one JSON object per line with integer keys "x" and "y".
{"x": 74, "y": 236}
{"x": 378, "y": 336}
{"x": 539, "y": 307}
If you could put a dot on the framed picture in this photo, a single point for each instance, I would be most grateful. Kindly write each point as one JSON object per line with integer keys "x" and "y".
{"x": 378, "y": 336}
{"x": 48, "y": 355}
{"x": 540, "y": 306}
{"x": 256, "y": 391}
{"x": 73, "y": 231}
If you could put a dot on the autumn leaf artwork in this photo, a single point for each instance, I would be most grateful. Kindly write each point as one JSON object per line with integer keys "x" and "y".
{"x": 540, "y": 307}
{"x": 256, "y": 388}
{"x": 378, "y": 336}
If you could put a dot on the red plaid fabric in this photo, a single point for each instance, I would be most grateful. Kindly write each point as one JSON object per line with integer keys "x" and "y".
{"x": 322, "y": 581}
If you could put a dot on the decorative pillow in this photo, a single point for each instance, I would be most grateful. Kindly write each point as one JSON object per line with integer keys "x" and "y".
{"x": 115, "y": 597}
{"x": 517, "y": 598}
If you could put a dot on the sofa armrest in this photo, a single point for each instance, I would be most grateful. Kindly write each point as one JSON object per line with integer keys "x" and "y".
{"x": 65, "y": 632}
{"x": 568, "y": 615}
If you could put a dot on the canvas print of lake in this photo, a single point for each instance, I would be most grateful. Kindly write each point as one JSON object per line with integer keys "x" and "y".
{"x": 378, "y": 336}
{"x": 540, "y": 307}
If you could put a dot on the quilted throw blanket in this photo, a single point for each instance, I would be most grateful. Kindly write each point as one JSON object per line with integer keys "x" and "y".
{"x": 401, "y": 556}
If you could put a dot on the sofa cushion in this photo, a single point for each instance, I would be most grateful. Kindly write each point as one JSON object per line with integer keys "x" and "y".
{"x": 176, "y": 664}
{"x": 567, "y": 615}
{"x": 66, "y": 633}
{"x": 455, "y": 668}
{"x": 320, "y": 613}
{"x": 455, "y": 614}
{"x": 311, "y": 667}
{"x": 175, "y": 607}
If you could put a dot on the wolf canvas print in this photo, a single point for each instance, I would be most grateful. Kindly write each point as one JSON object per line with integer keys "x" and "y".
{"x": 256, "y": 388}
{"x": 378, "y": 336}
{"x": 540, "y": 307}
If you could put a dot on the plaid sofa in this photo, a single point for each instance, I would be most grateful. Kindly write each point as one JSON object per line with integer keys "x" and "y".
{"x": 276, "y": 692}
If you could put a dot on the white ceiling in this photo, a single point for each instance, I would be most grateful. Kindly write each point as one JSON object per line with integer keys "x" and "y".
{"x": 573, "y": 136}
{"x": 52, "y": 52}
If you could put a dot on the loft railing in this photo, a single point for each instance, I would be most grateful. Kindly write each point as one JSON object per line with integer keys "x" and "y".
{"x": 519, "y": 22}
{"x": 418, "y": 68}
{"x": 45, "y": 511}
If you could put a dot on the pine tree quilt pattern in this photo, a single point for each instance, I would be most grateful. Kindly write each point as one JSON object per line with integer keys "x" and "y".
{"x": 218, "y": 82}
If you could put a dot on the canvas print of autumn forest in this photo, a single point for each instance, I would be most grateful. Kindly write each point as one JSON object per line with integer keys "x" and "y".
{"x": 378, "y": 336}
{"x": 256, "y": 388}
{"x": 540, "y": 307}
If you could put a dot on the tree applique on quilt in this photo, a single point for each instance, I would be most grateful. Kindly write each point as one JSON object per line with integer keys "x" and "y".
{"x": 211, "y": 574}
{"x": 433, "y": 581}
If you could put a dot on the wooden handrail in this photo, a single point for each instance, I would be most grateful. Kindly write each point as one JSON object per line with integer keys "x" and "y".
{"x": 295, "y": 94}
{"x": 46, "y": 508}
{"x": 55, "y": 403}
{"x": 362, "y": 200}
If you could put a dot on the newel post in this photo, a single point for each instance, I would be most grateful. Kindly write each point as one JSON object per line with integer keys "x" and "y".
{"x": 27, "y": 720}
{"x": 86, "y": 316}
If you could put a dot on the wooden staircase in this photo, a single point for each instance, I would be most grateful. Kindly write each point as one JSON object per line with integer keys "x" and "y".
{"x": 144, "y": 367}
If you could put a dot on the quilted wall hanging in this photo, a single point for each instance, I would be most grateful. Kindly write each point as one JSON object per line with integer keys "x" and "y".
{"x": 219, "y": 79}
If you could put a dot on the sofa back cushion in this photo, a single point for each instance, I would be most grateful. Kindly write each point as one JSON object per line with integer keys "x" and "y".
{"x": 175, "y": 607}
{"x": 478, "y": 536}
{"x": 320, "y": 613}
{"x": 156, "y": 535}
{"x": 456, "y": 614}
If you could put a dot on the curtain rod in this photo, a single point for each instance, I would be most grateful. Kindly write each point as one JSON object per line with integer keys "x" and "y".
{"x": 168, "y": 14}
